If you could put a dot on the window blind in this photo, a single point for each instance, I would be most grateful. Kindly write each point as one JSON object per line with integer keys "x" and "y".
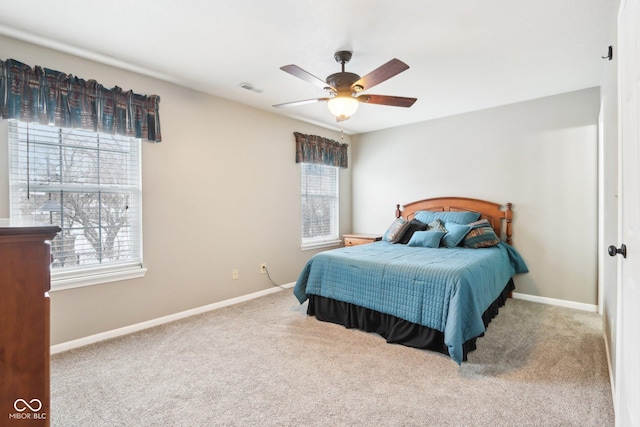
{"x": 87, "y": 183}
{"x": 320, "y": 209}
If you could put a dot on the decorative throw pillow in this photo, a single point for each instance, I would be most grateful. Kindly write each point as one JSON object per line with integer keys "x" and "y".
{"x": 395, "y": 230}
{"x": 426, "y": 239}
{"x": 481, "y": 235}
{"x": 455, "y": 233}
{"x": 460, "y": 217}
{"x": 414, "y": 225}
{"x": 436, "y": 225}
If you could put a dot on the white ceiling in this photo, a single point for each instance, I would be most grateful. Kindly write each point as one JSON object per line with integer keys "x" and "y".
{"x": 464, "y": 55}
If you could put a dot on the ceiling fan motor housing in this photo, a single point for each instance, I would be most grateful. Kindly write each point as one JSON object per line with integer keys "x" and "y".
{"x": 342, "y": 81}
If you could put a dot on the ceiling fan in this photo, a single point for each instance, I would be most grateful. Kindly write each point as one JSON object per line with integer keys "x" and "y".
{"x": 344, "y": 88}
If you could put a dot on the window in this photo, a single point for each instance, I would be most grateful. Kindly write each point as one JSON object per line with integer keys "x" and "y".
{"x": 88, "y": 184}
{"x": 320, "y": 210}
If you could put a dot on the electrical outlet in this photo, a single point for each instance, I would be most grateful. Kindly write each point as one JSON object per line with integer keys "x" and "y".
{"x": 234, "y": 274}
{"x": 263, "y": 268}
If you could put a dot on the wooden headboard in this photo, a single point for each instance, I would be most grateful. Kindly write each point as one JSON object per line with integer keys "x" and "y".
{"x": 496, "y": 213}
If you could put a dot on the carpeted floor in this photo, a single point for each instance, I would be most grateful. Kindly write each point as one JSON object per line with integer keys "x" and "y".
{"x": 266, "y": 363}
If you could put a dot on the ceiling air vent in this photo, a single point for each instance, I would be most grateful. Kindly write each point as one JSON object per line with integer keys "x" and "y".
{"x": 249, "y": 86}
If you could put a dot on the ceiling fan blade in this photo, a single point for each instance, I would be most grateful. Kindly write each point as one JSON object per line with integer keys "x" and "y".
{"x": 297, "y": 103}
{"x": 394, "y": 101}
{"x": 380, "y": 74}
{"x": 296, "y": 71}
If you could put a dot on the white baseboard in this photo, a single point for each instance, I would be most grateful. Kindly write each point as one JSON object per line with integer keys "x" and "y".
{"x": 558, "y": 302}
{"x": 92, "y": 339}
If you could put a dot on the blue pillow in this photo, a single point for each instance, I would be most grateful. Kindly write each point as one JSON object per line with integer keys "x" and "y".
{"x": 426, "y": 239}
{"x": 460, "y": 217}
{"x": 455, "y": 234}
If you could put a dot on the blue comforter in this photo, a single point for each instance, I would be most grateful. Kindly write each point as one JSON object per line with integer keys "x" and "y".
{"x": 446, "y": 289}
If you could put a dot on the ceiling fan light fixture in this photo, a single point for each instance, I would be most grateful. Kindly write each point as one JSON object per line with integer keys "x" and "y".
{"x": 343, "y": 106}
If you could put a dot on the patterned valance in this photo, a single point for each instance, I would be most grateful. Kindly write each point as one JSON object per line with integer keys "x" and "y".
{"x": 51, "y": 97}
{"x": 319, "y": 150}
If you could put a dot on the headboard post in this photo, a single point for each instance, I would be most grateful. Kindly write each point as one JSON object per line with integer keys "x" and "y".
{"x": 398, "y": 212}
{"x": 508, "y": 215}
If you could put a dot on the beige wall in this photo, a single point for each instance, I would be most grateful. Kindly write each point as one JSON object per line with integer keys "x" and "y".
{"x": 221, "y": 192}
{"x": 540, "y": 155}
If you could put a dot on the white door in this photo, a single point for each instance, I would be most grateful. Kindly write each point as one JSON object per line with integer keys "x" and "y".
{"x": 627, "y": 391}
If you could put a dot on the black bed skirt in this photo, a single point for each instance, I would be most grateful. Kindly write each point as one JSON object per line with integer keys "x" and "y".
{"x": 393, "y": 329}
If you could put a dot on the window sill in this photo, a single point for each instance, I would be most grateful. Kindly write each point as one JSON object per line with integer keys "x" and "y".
{"x": 319, "y": 245}
{"x": 63, "y": 281}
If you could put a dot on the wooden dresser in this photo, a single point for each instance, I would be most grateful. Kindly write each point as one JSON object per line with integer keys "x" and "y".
{"x": 360, "y": 239}
{"x": 25, "y": 260}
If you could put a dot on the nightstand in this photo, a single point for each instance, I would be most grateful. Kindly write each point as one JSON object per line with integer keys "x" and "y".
{"x": 360, "y": 239}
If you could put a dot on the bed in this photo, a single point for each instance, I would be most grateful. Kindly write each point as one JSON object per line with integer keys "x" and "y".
{"x": 440, "y": 274}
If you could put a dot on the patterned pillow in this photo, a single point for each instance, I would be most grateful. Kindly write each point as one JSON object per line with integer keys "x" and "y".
{"x": 426, "y": 239}
{"x": 436, "y": 225}
{"x": 481, "y": 235}
{"x": 455, "y": 233}
{"x": 414, "y": 225}
{"x": 395, "y": 230}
